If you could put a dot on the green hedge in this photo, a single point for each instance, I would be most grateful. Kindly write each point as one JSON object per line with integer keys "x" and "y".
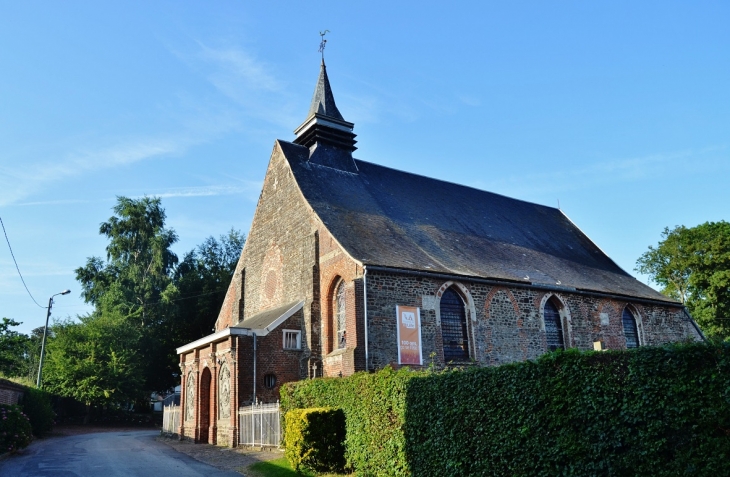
{"x": 374, "y": 407}
{"x": 650, "y": 411}
{"x": 37, "y": 406}
{"x": 315, "y": 439}
{"x": 15, "y": 431}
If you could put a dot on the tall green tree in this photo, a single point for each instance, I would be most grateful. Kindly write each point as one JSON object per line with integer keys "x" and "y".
{"x": 142, "y": 284}
{"x": 13, "y": 349}
{"x": 136, "y": 282}
{"x": 136, "y": 278}
{"x": 693, "y": 266}
{"x": 202, "y": 279}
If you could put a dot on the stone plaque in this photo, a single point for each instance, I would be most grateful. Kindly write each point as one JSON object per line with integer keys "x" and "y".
{"x": 224, "y": 393}
{"x": 428, "y": 302}
{"x": 604, "y": 319}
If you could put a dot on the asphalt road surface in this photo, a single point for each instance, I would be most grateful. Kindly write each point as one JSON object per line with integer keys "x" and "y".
{"x": 106, "y": 454}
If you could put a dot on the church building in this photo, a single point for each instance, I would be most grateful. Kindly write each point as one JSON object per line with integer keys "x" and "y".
{"x": 353, "y": 266}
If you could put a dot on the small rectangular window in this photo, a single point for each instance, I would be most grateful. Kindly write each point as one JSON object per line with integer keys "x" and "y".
{"x": 292, "y": 339}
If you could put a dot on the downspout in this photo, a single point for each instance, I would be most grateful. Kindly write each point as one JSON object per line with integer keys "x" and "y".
{"x": 365, "y": 308}
{"x": 254, "y": 368}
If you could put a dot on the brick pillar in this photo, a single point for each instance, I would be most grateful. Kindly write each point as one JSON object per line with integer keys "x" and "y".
{"x": 213, "y": 429}
{"x": 233, "y": 368}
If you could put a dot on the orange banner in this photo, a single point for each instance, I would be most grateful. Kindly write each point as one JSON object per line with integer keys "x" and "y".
{"x": 409, "y": 335}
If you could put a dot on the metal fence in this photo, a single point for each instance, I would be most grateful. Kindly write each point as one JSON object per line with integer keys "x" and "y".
{"x": 170, "y": 419}
{"x": 260, "y": 425}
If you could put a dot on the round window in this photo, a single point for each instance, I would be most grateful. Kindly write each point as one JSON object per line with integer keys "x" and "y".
{"x": 269, "y": 381}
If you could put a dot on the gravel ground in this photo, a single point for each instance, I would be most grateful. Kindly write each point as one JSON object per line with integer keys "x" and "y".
{"x": 224, "y": 458}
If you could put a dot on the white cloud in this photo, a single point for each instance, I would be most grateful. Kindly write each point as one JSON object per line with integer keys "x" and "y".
{"x": 242, "y": 65}
{"x": 17, "y": 183}
{"x": 249, "y": 82}
{"x": 207, "y": 191}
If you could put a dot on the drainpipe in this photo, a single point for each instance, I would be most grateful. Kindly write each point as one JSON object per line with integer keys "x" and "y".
{"x": 254, "y": 368}
{"x": 365, "y": 308}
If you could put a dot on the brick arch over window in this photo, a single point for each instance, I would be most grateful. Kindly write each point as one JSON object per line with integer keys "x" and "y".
{"x": 491, "y": 295}
{"x": 555, "y": 322}
{"x": 630, "y": 319}
{"x": 465, "y": 295}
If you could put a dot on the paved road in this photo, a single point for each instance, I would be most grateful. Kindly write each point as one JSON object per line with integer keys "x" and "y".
{"x": 106, "y": 454}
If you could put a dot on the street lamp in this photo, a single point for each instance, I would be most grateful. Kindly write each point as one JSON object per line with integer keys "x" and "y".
{"x": 45, "y": 332}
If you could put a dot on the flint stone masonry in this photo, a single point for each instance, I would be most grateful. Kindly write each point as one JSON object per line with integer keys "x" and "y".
{"x": 508, "y": 325}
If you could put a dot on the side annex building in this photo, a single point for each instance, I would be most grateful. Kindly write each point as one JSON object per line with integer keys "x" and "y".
{"x": 345, "y": 258}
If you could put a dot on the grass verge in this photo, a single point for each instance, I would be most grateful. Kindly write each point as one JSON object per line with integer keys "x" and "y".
{"x": 280, "y": 468}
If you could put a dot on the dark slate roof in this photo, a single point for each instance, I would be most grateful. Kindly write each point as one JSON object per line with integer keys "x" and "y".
{"x": 323, "y": 101}
{"x": 269, "y": 319}
{"x": 391, "y": 218}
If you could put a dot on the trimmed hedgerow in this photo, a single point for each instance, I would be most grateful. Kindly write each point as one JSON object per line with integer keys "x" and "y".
{"x": 37, "y": 406}
{"x": 315, "y": 439}
{"x": 374, "y": 408}
{"x": 15, "y": 430}
{"x": 652, "y": 411}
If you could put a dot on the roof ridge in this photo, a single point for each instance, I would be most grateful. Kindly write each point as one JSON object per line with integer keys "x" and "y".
{"x": 452, "y": 183}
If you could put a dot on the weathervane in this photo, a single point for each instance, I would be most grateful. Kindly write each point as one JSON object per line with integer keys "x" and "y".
{"x": 323, "y": 43}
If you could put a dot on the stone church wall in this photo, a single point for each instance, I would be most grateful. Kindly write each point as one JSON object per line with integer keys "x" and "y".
{"x": 505, "y": 323}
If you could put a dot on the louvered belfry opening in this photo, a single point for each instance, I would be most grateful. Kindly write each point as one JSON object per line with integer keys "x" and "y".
{"x": 453, "y": 327}
{"x": 630, "y": 332}
{"x": 553, "y": 327}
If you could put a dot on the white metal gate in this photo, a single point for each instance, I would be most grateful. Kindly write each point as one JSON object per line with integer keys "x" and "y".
{"x": 170, "y": 419}
{"x": 260, "y": 425}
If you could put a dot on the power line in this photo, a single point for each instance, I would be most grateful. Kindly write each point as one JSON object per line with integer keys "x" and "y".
{"x": 16, "y": 264}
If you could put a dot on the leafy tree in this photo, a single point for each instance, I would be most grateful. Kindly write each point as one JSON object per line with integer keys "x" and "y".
{"x": 135, "y": 282}
{"x": 142, "y": 284}
{"x": 693, "y": 266}
{"x": 95, "y": 361}
{"x": 12, "y": 349}
{"x": 136, "y": 279}
{"x": 202, "y": 279}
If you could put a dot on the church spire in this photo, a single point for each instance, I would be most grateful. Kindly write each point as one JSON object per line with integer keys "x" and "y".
{"x": 325, "y": 132}
{"x": 323, "y": 101}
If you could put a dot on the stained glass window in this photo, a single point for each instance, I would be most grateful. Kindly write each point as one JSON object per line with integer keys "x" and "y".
{"x": 340, "y": 316}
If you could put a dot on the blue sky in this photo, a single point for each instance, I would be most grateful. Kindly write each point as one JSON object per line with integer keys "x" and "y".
{"x": 619, "y": 110}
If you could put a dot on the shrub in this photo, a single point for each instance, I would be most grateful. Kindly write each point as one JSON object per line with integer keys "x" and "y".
{"x": 37, "y": 406}
{"x": 15, "y": 430}
{"x": 653, "y": 411}
{"x": 314, "y": 439}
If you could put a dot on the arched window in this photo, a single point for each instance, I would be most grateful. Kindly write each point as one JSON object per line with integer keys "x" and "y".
{"x": 553, "y": 327}
{"x": 340, "y": 322}
{"x": 630, "y": 331}
{"x": 453, "y": 327}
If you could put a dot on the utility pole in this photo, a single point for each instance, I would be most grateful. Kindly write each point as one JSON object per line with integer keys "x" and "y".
{"x": 45, "y": 332}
